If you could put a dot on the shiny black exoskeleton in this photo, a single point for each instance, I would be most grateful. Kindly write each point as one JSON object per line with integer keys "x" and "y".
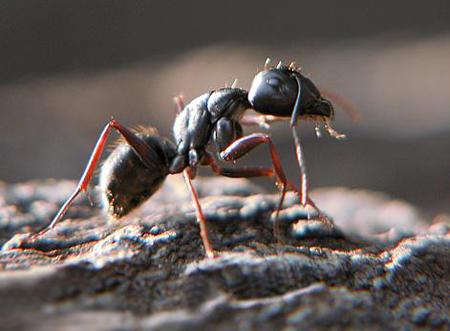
{"x": 211, "y": 117}
{"x": 285, "y": 92}
{"x": 126, "y": 181}
{"x": 142, "y": 159}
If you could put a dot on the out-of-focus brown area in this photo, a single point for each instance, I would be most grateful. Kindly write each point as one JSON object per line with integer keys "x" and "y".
{"x": 67, "y": 67}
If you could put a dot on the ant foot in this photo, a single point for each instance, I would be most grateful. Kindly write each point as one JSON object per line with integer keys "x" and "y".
{"x": 211, "y": 254}
{"x": 18, "y": 241}
{"x": 303, "y": 221}
{"x": 40, "y": 233}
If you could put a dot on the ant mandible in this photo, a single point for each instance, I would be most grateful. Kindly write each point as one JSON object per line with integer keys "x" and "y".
{"x": 142, "y": 159}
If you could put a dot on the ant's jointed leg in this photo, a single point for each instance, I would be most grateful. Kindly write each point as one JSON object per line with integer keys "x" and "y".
{"x": 200, "y": 216}
{"x": 245, "y": 144}
{"x": 138, "y": 145}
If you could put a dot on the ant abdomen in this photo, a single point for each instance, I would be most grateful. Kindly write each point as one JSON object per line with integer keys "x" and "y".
{"x": 126, "y": 180}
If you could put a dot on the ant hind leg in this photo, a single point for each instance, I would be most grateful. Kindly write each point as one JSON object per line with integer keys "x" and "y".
{"x": 138, "y": 145}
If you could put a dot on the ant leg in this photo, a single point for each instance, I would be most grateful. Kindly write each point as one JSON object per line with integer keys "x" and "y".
{"x": 138, "y": 145}
{"x": 245, "y": 172}
{"x": 264, "y": 122}
{"x": 248, "y": 173}
{"x": 258, "y": 172}
{"x": 301, "y": 163}
{"x": 304, "y": 198}
{"x": 244, "y": 145}
{"x": 200, "y": 216}
{"x": 236, "y": 172}
{"x": 298, "y": 148}
{"x": 303, "y": 193}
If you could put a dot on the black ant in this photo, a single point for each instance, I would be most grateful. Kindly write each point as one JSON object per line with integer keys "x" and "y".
{"x": 140, "y": 162}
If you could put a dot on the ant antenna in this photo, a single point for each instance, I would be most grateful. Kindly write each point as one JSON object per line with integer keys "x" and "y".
{"x": 234, "y": 83}
{"x": 343, "y": 103}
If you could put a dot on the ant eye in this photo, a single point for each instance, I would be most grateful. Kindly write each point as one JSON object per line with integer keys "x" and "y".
{"x": 274, "y": 82}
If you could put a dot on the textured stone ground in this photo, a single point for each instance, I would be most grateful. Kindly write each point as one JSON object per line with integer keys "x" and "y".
{"x": 380, "y": 267}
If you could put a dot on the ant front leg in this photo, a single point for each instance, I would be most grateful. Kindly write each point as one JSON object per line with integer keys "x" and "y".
{"x": 304, "y": 198}
{"x": 138, "y": 145}
{"x": 303, "y": 193}
{"x": 237, "y": 172}
{"x": 298, "y": 147}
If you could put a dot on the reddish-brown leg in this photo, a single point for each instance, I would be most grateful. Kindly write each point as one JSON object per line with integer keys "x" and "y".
{"x": 244, "y": 172}
{"x": 139, "y": 146}
{"x": 227, "y": 172}
{"x": 245, "y": 144}
{"x": 264, "y": 121}
{"x": 200, "y": 216}
{"x": 248, "y": 173}
{"x": 303, "y": 193}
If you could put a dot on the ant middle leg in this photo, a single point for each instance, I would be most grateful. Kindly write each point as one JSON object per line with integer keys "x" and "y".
{"x": 248, "y": 172}
{"x": 227, "y": 172}
{"x": 243, "y": 145}
{"x": 187, "y": 174}
{"x": 304, "y": 192}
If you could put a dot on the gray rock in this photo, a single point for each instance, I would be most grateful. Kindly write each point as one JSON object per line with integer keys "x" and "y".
{"x": 379, "y": 266}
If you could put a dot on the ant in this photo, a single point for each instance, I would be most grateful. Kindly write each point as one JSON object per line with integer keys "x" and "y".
{"x": 142, "y": 159}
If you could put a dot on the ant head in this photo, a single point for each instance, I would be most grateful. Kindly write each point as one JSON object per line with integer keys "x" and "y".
{"x": 275, "y": 92}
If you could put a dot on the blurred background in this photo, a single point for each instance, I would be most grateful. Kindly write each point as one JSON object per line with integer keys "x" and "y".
{"x": 66, "y": 67}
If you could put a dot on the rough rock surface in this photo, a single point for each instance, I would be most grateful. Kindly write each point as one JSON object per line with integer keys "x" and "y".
{"x": 379, "y": 267}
